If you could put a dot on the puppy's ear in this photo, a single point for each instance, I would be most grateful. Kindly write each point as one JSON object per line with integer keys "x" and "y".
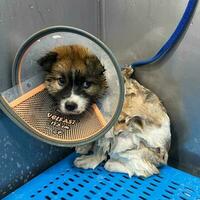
{"x": 95, "y": 65}
{"x": 47, "y": 61}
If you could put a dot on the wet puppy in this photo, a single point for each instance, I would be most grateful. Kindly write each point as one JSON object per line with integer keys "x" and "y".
{"x": 140, "y": 140}
{"x": 75, "y": 78}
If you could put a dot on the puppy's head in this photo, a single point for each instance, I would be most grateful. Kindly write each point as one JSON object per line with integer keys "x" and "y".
{"x": 75, "y": 78}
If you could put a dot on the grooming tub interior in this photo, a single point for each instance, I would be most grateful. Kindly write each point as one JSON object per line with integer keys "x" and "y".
{"x": 133, "y": 30}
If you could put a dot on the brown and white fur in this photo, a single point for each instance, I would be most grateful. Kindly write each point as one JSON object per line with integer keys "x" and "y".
{"x": 139, "y": 142}
{"x": 75, "y": 78}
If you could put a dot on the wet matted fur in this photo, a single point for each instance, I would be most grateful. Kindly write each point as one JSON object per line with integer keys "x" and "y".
{"x": 140, "y": 140}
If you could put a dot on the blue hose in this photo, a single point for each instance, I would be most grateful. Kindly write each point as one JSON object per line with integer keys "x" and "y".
{"x": 176, "y": 35}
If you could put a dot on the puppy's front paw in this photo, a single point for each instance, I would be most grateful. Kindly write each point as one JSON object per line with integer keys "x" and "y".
{"x": 146, "y": 171}
{"x": 89, "y": 161}
{"x": 116, "y": 166}
{"x": 132, "y": 167}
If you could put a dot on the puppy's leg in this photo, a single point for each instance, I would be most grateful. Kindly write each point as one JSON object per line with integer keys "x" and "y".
{"x": 84, "y": 149}
{"x": 89, "y": 161}
{"x": 141, "y": 162}
{"x": 100, "y": 150}
{"x": 113, "y": 165}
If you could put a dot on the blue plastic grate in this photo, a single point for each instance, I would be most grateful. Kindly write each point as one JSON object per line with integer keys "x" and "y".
{"x": 64, "y": 181}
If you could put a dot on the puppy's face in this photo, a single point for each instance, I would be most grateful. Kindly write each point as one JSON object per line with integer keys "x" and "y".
{"x": 75, "y": 78}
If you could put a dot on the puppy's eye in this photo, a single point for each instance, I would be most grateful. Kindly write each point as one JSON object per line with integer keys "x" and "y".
{"x": 87, "y": 84}
{"x": 61, "y": 81}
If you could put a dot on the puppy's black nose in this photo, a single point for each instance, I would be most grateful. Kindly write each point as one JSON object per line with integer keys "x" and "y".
{"x": 70, "y": 106}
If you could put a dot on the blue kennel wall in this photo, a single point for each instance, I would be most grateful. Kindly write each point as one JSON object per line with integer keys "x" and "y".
{"x": 133, "y": 29}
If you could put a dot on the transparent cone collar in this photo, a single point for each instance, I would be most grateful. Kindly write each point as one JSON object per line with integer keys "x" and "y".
{"x": 29, "y": 104}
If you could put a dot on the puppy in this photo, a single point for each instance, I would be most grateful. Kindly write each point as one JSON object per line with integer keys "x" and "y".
{"x": 140, "y": 140}
{"x": 75, "y": 78}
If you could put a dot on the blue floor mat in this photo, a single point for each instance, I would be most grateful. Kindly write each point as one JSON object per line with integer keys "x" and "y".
{"x": 64, "y": 181}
